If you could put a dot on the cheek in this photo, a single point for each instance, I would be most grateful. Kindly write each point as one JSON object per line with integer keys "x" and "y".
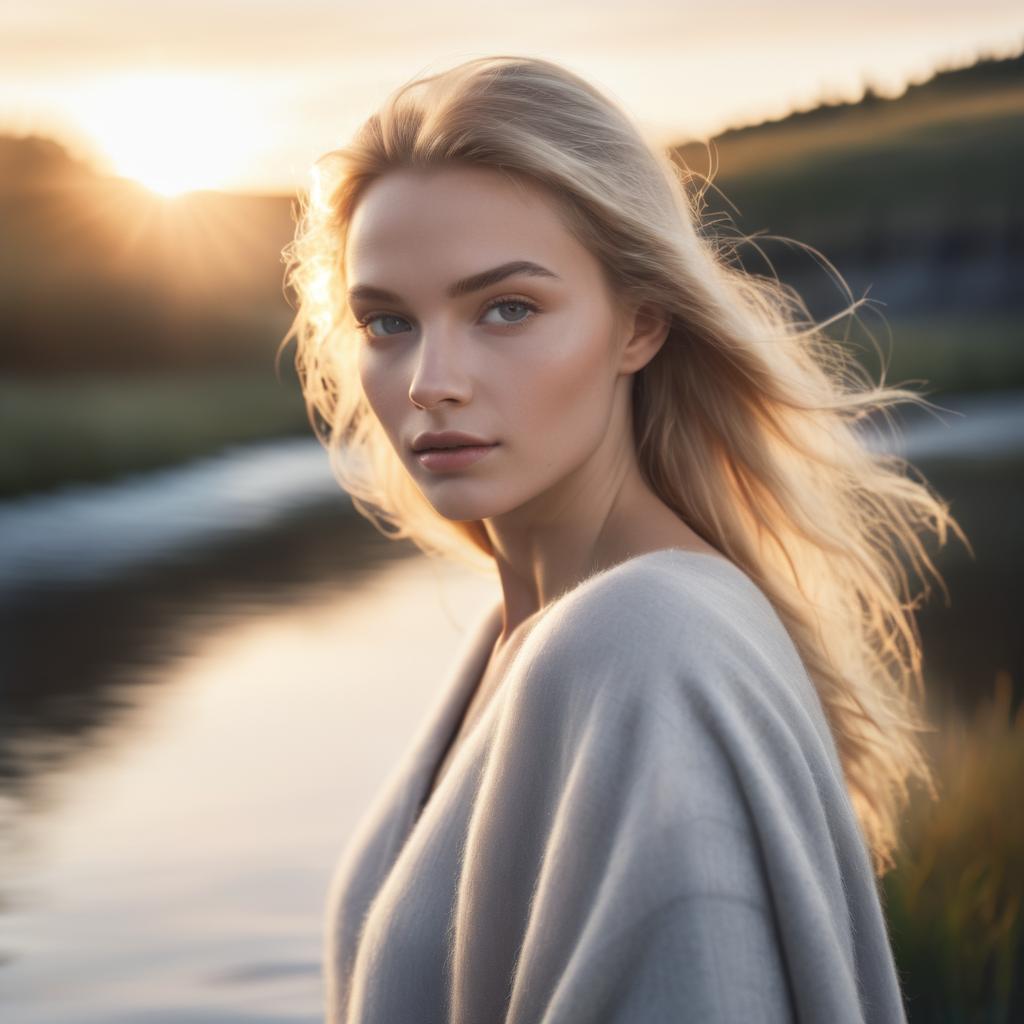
{"x": 365, "y": 368}
{"x": 562, "y": 384}
{"x": 382, "y": 388}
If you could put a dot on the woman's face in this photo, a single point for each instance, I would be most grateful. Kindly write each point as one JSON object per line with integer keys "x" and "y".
{"x": 527, "y": 363}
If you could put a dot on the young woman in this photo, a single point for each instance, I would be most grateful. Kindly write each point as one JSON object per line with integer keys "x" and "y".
{"x": 669, "y": 763}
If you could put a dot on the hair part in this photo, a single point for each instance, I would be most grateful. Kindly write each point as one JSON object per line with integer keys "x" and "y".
{"x": 746, "y": 421}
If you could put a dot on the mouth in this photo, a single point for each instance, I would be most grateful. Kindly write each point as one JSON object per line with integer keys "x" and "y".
{"x": 452, "y": 448}
{"x": 452, "y": 458}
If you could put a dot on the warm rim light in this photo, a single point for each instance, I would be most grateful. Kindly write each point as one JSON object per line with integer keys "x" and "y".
{"x": 170, "y": 132}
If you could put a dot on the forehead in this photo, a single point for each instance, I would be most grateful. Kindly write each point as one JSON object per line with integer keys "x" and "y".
{"x": 453, "y": 220}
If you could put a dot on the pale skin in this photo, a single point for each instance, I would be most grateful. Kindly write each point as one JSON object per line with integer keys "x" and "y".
{"x": 561, "y": 496}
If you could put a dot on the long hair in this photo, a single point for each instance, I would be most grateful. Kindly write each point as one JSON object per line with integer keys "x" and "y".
{"x": 746, "y": 421}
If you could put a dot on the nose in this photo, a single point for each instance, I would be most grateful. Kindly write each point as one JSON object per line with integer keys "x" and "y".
{"x": 440, "y": 373}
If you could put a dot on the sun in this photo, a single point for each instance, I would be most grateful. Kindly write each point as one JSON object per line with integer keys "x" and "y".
{"x": 172, "y": 133}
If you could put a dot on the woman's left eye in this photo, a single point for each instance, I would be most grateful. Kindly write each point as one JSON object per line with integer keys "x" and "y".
{"x": 522, "y": 304}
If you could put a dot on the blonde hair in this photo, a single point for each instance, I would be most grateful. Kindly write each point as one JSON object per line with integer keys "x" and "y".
{"x": 745, "y": 421}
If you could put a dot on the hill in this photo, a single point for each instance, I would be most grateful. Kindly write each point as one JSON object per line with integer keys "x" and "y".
{"x": 851, "y": 177}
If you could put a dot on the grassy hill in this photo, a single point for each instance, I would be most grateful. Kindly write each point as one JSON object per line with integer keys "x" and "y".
{"x": 946, "y": 149}
{"x": 915, "y": 200}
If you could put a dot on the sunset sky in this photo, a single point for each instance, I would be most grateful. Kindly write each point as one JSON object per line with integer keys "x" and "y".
{"x": 245, "y": 95}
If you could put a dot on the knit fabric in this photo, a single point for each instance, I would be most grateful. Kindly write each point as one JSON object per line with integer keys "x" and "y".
{"x": 648, "y": 823}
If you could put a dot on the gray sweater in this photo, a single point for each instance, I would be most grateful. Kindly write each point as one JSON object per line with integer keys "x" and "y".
{"x": 648, "y": 823}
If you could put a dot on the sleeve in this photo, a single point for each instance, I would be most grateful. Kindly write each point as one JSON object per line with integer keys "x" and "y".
{"x": 676, "y": 843}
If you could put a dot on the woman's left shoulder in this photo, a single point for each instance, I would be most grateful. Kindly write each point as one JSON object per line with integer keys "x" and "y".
{"x": 662, "y": 583}
{"x": 666, "y": 604}
{"x": 670, "y": 624}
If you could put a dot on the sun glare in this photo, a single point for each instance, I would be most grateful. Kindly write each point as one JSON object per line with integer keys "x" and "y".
{"x": 170, "y": 132}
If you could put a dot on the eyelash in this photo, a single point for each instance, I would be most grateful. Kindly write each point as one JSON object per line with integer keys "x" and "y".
{"x": 505, "y": 300}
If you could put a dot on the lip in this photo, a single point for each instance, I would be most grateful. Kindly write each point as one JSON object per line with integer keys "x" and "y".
{"x": 445, "y": 460}
{"x": 448, "y": 439}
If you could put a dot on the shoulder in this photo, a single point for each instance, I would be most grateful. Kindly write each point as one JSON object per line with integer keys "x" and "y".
{"x": 667, "y": 631}
{"x": 671, "y": 607}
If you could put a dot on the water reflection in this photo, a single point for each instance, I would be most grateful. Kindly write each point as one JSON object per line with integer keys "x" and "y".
{"x": 168, "y": 859}
{"x": 66, "y": 647}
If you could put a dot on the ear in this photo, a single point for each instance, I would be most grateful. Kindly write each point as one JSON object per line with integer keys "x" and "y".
{"x": 645, "y": 329}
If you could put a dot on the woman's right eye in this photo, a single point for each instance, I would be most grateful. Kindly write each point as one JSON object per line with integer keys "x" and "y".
{"x": 363, "y": 324}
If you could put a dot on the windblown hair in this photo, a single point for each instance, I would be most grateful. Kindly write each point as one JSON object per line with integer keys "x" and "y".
{"x": 746, "y": 421}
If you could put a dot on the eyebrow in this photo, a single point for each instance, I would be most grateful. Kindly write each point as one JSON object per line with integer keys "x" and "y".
{"x": 473, "y": 283}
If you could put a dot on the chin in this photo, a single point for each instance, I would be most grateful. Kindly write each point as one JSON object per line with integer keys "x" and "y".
{"x": 461, "y": 508}
{"x": 464, "y": 512}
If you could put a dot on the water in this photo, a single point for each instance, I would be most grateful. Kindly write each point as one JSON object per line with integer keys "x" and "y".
{"x": 86, "y": 532}
{"x": 207, "y": 674}
{"x": 968, "y": 426}
{"x": 170, "y": 863}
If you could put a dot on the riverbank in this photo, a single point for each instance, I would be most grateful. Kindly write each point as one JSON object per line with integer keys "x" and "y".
{"x": 98, "y": 427}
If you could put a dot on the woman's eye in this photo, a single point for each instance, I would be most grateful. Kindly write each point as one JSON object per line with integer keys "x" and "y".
{"x": 366, "y": 321}
{"x": 517, "y": 304}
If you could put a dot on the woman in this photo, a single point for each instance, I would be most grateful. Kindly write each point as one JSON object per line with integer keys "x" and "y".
{"x": 666, "y": 763}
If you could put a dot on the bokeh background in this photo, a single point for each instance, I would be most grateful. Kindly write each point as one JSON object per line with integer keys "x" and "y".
{"x": 209, "y": 662}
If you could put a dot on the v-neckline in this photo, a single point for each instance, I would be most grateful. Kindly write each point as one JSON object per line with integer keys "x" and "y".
{"x": 453, "y": 710}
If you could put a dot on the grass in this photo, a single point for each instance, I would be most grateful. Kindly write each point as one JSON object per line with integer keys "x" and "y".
{"x": 96, "y": 427}
{"x": 949, "y": 352}
{"x": 954, "y": 900}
